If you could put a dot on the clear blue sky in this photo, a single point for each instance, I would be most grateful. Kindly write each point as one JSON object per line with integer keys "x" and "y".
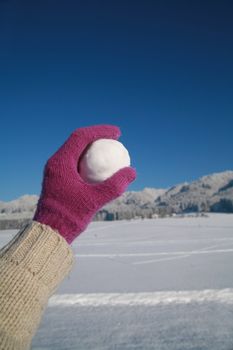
{"x": 161, "y": 70}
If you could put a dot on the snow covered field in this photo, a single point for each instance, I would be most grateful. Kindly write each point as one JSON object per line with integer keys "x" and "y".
{"x": 164, "y": 284}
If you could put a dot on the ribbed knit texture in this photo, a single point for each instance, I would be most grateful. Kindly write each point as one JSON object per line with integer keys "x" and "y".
{"x": 67, "y": 203}
{"x": 32, "y": 265}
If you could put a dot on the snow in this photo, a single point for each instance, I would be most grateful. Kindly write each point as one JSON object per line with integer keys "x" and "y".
{"x": 163, "y": 284}
{"x": 213, "y": 192}
{"x": 102, "y": 159}
{"x": 20, "y": 208}
{"x": 23, "y": 203}
{"x": 224, "y": 296}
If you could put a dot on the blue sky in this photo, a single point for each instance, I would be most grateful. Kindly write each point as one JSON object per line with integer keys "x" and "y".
{"x": 161, "y": 70}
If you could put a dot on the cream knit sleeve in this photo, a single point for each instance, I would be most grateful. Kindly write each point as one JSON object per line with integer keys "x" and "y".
{"x": 32, "y": 265}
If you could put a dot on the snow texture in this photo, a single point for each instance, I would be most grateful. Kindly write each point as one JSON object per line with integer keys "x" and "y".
{"x": 102, "y": 159}
{"x": 224, "y": 296}
{"x": 163, "y": 284}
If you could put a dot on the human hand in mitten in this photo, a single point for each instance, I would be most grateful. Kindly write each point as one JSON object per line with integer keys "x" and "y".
{"x": 67, "y": 203}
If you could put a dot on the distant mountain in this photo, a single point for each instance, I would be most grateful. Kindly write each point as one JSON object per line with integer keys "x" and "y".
{"x": 24, "y": 205}
{"x": 209, "y": 193}
{"x": 17, "y": 213}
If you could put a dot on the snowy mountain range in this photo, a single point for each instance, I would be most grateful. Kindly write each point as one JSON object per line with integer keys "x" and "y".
{"x": 209, "y": 193}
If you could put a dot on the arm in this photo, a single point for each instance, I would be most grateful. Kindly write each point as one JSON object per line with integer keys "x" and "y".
{"x": 36, "y": 260}
{"x": 32, "y": 265}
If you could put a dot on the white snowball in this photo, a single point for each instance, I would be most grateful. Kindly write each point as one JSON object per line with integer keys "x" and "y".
{"x": 102, "y": 159}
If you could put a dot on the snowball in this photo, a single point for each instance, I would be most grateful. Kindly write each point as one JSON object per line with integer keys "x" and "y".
{"x": 102, "y": 159}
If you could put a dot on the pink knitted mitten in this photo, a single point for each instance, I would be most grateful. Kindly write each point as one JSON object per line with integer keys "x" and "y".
{"x": 67, "y": 203}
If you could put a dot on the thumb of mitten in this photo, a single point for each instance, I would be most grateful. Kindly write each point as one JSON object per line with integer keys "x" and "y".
{"x": 116, "y": 185}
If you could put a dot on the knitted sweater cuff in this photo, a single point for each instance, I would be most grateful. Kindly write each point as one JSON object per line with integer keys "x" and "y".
{"x": 32, "y": 265}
